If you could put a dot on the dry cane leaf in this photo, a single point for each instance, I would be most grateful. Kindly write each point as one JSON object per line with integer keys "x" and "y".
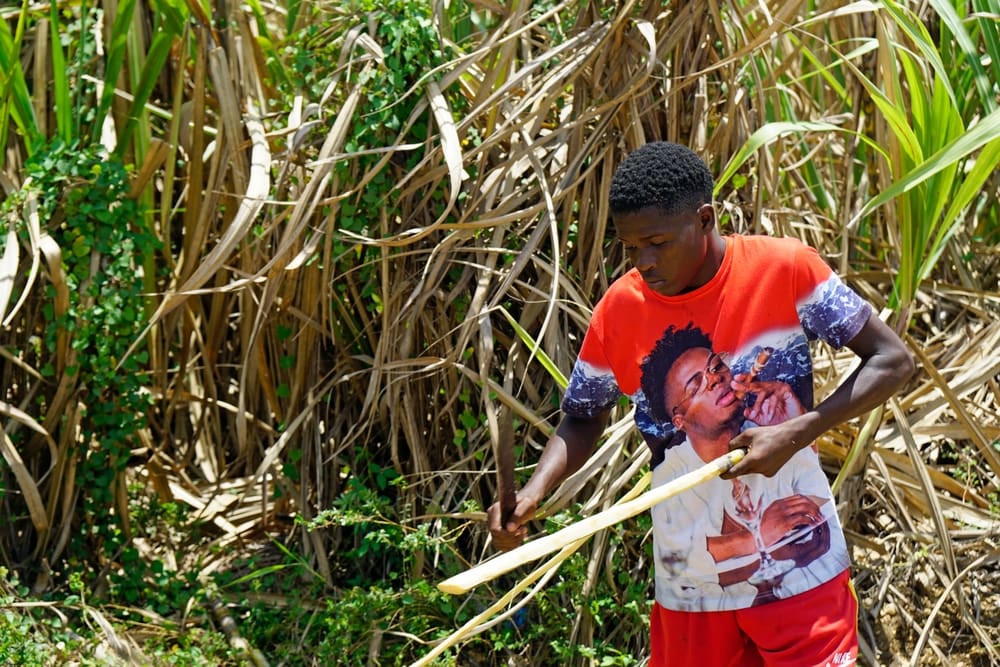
{"x": 36, "y": 508}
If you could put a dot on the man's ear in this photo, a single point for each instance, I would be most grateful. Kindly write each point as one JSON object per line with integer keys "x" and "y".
{"x": 706, "y": 213}
{"x": 678, "y": 422}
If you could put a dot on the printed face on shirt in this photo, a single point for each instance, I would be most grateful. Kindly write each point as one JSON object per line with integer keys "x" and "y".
{"x": 671, "y": 252}
{"x": 698, "y": 393}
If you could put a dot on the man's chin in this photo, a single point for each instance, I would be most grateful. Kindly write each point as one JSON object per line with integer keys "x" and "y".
{"x": 734, "y": 418}
{"x": 725, "y": 427}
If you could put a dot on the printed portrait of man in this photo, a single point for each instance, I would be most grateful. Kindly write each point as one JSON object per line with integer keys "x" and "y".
{"x": 762, "y": 530}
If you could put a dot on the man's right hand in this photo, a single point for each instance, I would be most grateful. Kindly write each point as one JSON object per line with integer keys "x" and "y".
{"x": 565, "y": 452}
{"x": 510, "y": 535}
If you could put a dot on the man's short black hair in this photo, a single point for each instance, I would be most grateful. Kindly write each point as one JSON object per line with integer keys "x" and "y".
{"x": 662, "y": 174}
{"x": 657, "y": 363}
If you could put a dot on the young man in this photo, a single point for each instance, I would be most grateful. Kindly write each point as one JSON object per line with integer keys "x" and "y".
{"x": 719, "y": 601}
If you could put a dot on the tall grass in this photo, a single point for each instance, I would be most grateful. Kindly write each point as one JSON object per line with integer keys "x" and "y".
{"x": 379, "y": 224}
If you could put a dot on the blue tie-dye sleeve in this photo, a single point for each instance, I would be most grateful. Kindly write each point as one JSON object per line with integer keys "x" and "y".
{"x": 591, "y": 391}
{"x": 833, "y": 312}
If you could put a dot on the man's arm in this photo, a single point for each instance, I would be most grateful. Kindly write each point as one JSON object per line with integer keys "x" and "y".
{"x": 885, "y": 365}
{"x": 564, "y": 454}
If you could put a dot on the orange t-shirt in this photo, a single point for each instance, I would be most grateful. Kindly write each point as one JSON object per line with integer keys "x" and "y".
{"x": 769, "y": 298}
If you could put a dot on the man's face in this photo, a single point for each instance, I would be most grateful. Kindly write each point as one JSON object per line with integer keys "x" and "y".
{"x": 698, "y": 393}
{"x": 670, "y": 251}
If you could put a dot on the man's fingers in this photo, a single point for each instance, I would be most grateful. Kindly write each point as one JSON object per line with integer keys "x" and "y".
{"x": 515, "y": 528}
{"x": 509, "y": 532}
{"x": 494, "y": 520}
{"x": 741, "y": 441}
{"x": 510, "y": 537}
{"x": 523, "y": 512}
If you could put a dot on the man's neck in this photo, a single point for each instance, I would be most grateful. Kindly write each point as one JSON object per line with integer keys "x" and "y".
{"x": 710, "y": 446}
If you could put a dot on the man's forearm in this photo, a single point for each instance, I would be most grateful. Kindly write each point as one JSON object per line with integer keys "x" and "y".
{"x": 886, "y": 365}
{"x": 565, "y": 453}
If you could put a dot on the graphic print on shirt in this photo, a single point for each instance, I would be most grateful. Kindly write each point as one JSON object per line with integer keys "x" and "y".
{"x": 757, "y": 531}
{"x": 702, "y": 367}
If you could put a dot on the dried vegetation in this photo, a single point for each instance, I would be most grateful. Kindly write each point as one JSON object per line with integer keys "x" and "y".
{"x": 368, "y": 250}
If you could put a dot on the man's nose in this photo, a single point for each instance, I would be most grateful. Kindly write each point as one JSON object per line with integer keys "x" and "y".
{"x": 645, "y": 258}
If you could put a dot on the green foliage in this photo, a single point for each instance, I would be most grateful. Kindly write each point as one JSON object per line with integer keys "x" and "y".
{"x": 83, "y": 194}
{"x": 385, "y": 605}
{"x": 943, "y": 138}
{"x": 411, "y": 51}
{"x": 937, "y": 130}
{"x": 618, "y": 606}
{"x": 58, "y": 630}
{"x": 378, "y": 543}
{"x": 15, "y": 99}
{"x": 197, "y": 646}
{"x": 387, "y": 552}
{"x": 80, "y": 106}
{"x": 20, "y": 642}
{"x": 29, "y": 636}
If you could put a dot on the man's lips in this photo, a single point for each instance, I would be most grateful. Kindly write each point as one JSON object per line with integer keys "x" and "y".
{"x": 726, "y": 397}
{"x": 654, "y": 281}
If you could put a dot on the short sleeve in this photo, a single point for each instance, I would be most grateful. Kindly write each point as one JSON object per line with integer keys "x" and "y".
{"x": 830, "y": 310}
{"x": 591, "y": 391}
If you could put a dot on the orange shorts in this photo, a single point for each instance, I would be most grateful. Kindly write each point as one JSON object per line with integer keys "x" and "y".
{"x": 819, "y": 627}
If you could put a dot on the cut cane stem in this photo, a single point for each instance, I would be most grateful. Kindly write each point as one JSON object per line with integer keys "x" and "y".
{"x": 478, "y": 624}
{"x": 535, "y": 549}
